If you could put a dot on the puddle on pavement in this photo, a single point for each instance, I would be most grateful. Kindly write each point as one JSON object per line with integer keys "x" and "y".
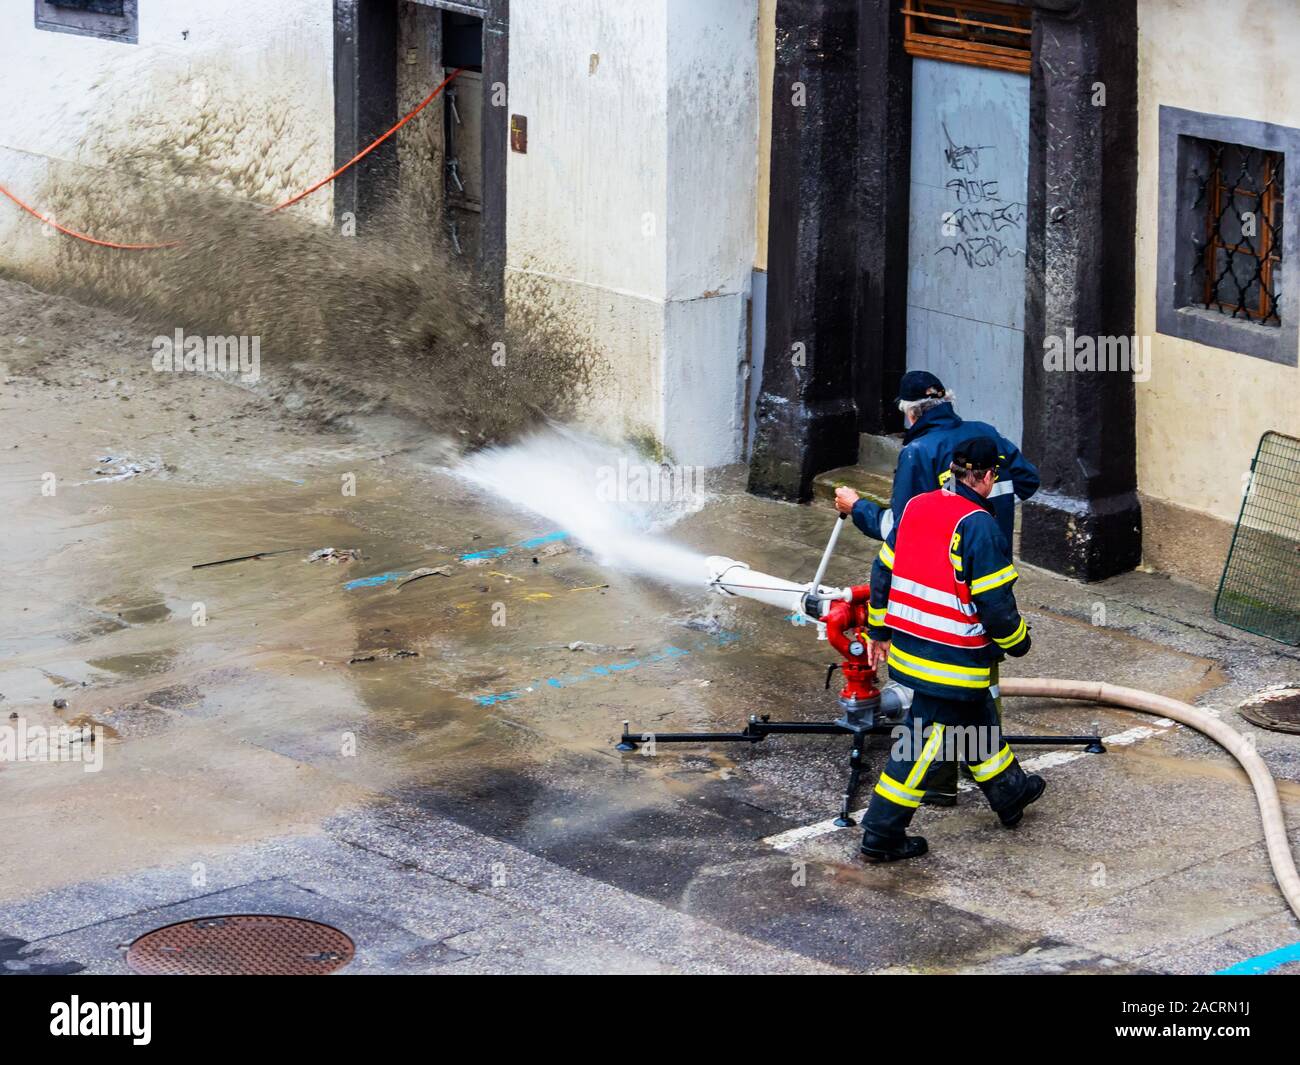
{"x": 134, "y": 665}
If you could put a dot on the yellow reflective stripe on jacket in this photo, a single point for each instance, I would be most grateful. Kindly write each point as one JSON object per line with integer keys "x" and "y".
{"x": 889, "y": 788}
{"x": 876, "y": 615}
{"x": 887, "y": 555}
{"x": 1010, "y": 641}
{"x": 994, "y": 580}
{"x": 987, "y": 770}
{"x": 956, "y": 561}
{"x": 931, "y": 748}
{"x": 980, "y": 673}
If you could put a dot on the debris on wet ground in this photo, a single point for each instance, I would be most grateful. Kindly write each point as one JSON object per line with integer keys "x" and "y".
{"x": 601, "y": 648}
{"x": 334, "y": 555}
{"x": 244, "y": 558}
{"x": 426, "y": 571}
{"x": 381, "y": 654}
{"x": 707, "y": 624}
{"x": 558, "y": 547}
{"x": 60, "y": 704}
{"x": 114, "y": 469}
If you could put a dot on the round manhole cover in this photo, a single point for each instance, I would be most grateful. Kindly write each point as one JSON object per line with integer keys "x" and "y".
{"x": 242, "y": 945}
{"x": 1276, "y": 708}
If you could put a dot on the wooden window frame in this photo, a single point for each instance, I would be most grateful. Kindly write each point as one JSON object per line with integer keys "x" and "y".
{"x": 966, "y": 46}
{"x": 1268, "y": 253}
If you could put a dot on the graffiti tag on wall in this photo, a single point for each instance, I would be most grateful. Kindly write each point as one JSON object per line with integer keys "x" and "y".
{"x": 984, "y": 228}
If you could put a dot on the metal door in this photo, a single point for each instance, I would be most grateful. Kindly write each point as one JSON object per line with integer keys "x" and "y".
{"x": 464, "y": 183}
{"x": 966, "y": 256}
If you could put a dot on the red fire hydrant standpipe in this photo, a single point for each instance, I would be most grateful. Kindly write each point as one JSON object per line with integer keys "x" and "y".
{"x": 846, "y": 631}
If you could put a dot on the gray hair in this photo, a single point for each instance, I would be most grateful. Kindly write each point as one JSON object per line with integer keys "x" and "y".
{"x": 917, "y": 407}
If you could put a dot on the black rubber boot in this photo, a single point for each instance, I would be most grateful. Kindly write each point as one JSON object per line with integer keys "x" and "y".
{"x": 891, "y": 848}
{"x": 1011, "y": 814}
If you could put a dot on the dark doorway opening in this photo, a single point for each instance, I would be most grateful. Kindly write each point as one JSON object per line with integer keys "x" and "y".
{"x": 445, "y": 170}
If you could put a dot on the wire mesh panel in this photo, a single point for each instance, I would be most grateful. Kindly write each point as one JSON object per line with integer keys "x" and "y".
{"x": 1260, "y": 587}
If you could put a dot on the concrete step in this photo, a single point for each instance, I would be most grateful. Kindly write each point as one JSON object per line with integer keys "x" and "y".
{"x": 879, "y": 453}
{"x": 865, "y": 482}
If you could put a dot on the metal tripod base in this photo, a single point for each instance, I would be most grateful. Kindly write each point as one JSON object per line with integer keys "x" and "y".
{"x": 758, "y": 728}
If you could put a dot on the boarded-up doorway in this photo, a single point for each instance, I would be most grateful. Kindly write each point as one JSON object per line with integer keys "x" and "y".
{"x": 966, "y": 259}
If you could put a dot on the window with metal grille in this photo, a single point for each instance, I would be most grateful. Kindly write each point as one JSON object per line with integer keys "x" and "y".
{"x": 114, "y": 20}
{"x": 1226, "y": 202}
{"x": 1238, "y": 258}
{"x": 978, "y": 32}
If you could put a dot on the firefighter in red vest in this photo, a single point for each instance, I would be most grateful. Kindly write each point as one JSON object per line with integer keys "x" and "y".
{"x": 942, "y": 616}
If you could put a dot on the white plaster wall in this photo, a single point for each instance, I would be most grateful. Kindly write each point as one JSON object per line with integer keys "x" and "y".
{"x": 237, "y": 95}
{"x": 631, "y": 217}
{"x": 1200, "y": 416}
{"x": 712, "y": 186}
{"x": 587, "y": 202}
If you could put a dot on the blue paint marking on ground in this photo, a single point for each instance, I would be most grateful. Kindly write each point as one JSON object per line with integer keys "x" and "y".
{"x": 491, "y": 552}
{"x": 379, "y": 578}
{"x": 577, "y": 678}
{"x": 722, "y": 638}
{"x": 1262, "y": 963}
{"x": 526, "y": 545}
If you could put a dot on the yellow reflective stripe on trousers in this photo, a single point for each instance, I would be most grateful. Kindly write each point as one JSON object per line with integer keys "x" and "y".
{"x": 891, "y": 789}
{"x": 931, "y": 748}
{"x": 993, "y": 580}
{"x": 887, "y": 555}
{"x": 987, "y": 770}
{"x": 1015, "y": 637}
{"x": 938, "y": 672}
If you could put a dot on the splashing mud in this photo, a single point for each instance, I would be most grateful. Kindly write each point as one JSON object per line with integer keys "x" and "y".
{"x": 386, "y": 321}
{"x": 574, "y": 480}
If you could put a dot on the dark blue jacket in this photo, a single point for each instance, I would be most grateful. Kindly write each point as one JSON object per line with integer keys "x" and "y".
{"x": 982, "y": 563}
{"x": 928, "y": 448}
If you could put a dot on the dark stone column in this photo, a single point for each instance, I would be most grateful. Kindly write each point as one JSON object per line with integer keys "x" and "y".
{"x": 496, "y": 149}
{"x": 365, "y": 103}
{"x": 1085, "y": 522}
{"x": 883, "y": 203}
{"x": 807, "y": 420}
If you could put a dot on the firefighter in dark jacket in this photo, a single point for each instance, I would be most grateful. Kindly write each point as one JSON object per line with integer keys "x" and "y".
{"x": 942, "y": 615}
{"x": 934, "y": 434}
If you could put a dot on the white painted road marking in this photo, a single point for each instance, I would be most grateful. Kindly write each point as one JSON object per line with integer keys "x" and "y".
{"x": 785, "y": 840}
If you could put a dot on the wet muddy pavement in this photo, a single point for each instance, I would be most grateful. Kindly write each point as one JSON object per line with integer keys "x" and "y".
{"x": 429, "y": 764}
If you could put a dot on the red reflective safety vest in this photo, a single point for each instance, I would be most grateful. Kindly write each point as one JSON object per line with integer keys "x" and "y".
{"x": 926, "y": 599}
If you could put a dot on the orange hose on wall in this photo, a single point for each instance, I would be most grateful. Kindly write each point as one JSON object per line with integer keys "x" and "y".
{"x": 278, "y": 207}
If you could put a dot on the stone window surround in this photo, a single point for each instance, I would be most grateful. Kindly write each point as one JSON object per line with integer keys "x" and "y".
{"x": 124, "y": 27}
{"x": 1174, "y": 315}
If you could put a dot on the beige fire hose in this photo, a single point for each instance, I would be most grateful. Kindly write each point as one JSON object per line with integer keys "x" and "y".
{"x": 1239, "y": 746}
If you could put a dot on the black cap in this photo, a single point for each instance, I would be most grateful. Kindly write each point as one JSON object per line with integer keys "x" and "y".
{"x": 919, "y": 384}
{"x": 977, "y": 453}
